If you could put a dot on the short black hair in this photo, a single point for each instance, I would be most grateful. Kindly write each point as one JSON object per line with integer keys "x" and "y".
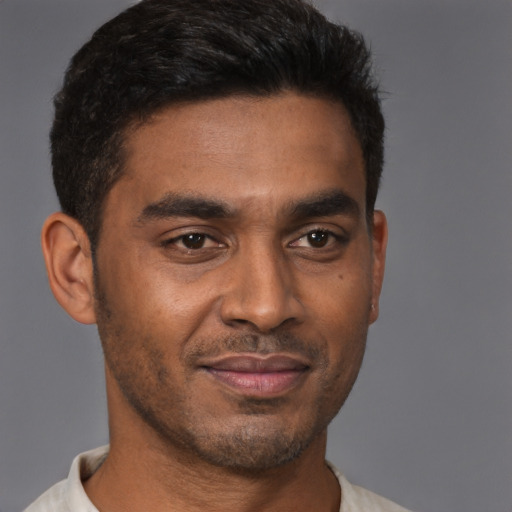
{"x": 160, "y": 52}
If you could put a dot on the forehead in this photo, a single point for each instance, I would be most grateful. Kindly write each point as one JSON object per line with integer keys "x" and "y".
{"x": 244, "y": 150}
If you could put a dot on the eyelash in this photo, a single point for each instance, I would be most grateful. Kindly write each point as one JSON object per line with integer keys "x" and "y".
{"x": 176, "y": 240}
{"x": 332, "y": 237}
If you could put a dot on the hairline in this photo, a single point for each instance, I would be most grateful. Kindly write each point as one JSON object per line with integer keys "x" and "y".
{"x": 137, "y": 120}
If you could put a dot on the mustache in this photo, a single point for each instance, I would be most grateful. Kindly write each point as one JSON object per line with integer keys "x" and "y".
{"x": 255, "y": 344}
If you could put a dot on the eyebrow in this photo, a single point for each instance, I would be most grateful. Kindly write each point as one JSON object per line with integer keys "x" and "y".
{"x": 325, "y": 204}
{"x": 177, "y": 205}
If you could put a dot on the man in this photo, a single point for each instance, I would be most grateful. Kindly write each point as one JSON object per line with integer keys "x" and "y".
{"x": 217, "y": 164}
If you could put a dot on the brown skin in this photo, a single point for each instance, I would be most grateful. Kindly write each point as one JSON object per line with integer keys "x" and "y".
{"x": 290, "y": 269}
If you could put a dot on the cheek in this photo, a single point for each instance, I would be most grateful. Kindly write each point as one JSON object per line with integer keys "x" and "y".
{"x": 154, "y": 318}
{"x": 339, "y": 309}
{"x": 146, "y": 288}
{"x": 340, "y": 299}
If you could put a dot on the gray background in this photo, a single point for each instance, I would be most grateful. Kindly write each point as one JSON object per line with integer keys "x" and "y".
{"x": 429, "y": 421}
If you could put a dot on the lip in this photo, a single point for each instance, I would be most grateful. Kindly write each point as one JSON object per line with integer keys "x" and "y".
{"x": 261, "y": 376}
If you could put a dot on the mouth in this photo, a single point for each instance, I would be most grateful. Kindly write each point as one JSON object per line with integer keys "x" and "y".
{"x": 259, "y": 376}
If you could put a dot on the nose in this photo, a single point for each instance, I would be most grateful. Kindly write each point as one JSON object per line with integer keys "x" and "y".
{"x": 261, "y": 291}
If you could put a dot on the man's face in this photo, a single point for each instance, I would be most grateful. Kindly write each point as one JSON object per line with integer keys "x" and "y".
{"x": 235, "y": 276}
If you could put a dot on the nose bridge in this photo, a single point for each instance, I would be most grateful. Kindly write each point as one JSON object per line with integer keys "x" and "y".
{"x": 261, "y": 290}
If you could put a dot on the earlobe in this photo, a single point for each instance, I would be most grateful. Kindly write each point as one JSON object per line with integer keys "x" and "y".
{"x": 379, "y": 241}
{"x": 69, "y": 265}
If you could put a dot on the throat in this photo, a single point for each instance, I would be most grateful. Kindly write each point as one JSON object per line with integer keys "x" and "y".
{"x": 159, "y": 481}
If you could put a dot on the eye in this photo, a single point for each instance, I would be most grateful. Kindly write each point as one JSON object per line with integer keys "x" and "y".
{"x": 193, "y": 242}
{"x": 318, "y": 239}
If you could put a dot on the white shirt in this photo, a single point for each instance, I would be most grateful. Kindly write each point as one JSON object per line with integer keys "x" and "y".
{"x": 69, "y": 495}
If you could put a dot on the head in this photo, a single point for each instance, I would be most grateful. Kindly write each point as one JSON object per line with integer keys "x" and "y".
{"x": 160, "y": 52}
{"x": 217, "y": 163}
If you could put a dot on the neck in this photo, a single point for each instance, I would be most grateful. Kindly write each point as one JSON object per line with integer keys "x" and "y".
{"x": 144, "y": 472}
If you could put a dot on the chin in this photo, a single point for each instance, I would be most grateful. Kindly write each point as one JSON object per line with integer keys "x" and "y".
{"x": 253, "y": 444}
{"x": 248, "y": 451}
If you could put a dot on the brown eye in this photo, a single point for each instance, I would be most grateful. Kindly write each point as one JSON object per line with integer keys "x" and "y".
{"x": 193, "y": 240}
{"x": 318, "y": 239}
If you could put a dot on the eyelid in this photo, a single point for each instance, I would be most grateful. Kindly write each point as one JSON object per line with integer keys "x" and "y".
{"x": 339, "y": 235}
{"x": 173, "y": 238}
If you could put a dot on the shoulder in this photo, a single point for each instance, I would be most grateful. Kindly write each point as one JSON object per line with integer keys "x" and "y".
{"x": 53, "y": 500}
{"x": 358, "y": 499}
{"x": 69, "y": 495}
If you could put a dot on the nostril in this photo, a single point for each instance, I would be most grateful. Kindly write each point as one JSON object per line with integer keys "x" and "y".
{"x": 261, "y": 294}
{"x": 240, "y": 321}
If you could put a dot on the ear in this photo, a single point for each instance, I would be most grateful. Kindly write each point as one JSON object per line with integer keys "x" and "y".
{"x": 379, "y": 241}
{"x": 68, "y": 259}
